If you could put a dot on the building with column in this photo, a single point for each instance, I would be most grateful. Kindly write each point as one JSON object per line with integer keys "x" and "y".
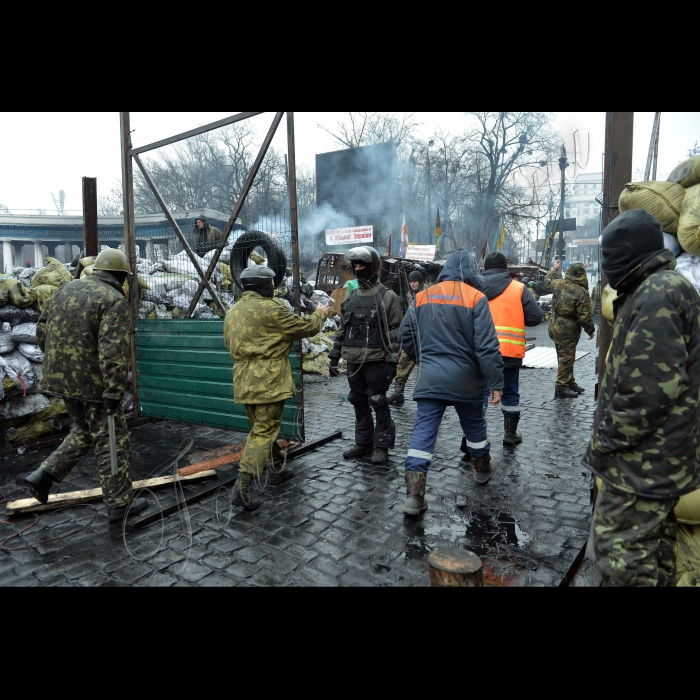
{"x": 581, "y": 203}
{"x": 33, "y": 237}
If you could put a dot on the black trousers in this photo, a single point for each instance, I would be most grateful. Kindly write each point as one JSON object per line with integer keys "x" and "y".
{"x": 368, "y": 387}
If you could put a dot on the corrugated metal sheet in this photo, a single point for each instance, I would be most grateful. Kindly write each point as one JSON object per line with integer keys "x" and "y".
{"x": 545, "y": 358}
{"x": 185, "y": 373}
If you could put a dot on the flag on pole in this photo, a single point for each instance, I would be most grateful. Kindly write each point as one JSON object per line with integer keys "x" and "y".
{"x": 438, "y": 225}
{"x": 403, "y": 248}
{"x": 501, "y": 238}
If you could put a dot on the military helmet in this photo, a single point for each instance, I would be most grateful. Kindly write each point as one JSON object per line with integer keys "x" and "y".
{"x": 260, "y": 279}
{"x": 111, "y": 260}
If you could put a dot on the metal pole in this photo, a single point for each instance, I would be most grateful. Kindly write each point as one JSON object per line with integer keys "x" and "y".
{"x": 90, "y": 245}
{"x": 130, "y": 243}
{"x": 619, "y": 131}
{"x": 563, "y": 164}
{"x": 293, "y": 213}
{"x": 652, "y": 158}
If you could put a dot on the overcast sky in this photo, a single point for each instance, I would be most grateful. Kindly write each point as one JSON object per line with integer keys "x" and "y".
{"x": 44, "y": 152}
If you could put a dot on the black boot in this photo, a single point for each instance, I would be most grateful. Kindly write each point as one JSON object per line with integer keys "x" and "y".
{"x": 242, "y": 494}
{"x": 380, "y": 456}
{"x": 397, "y": 397}
{"x": 137, "y": 505}
{"x": 466, "y": 461}
{"x": 565, "y": 393}
{"x": 358, "y": 451}
{"x": 280, "y": 477}
{"x": 575, "y": 387}
{"x": 39, "y": 483}
{"x": 511, "y": 436}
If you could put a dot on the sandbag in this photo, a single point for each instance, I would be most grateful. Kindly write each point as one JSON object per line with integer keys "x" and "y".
{"x": 606, "y": 304}
{"x": 17, "y": 294}
{"x": 663, "y": 200}
{"x": 19, "y": 369}
{"x": 54, "y": 273}
{"x": 22, "y": 406}
{"x": 688, "y": 556}
{"x": 689, "y": 266}
{"x": 689, "y": 224}
{"x": 43, "y": 293}
{"x": 688, "y": 508}
{"x": 687, "y": 174}
{"x": 671, "y": 243}
{"x": 25, "y": 333}
{"x": 7, "y": 344}
{"x": 31, "y": 351}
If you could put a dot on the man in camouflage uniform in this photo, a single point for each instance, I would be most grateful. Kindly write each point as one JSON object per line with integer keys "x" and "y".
{"x": 259, "y": 331}
{"x": 84, "y": 335}
{"x": 573, "y": 310}
{"x": 645, "y": 443}
{"x": 368, "y": 341}
{"x": 405, "y": 366}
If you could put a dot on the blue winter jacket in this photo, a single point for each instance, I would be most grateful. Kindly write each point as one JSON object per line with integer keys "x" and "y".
{"x": 449, "y": 333}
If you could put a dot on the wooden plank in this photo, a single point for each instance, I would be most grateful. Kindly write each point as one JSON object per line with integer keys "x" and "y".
{"x": 204, "y": 455}
{"x": 72, "y": 498}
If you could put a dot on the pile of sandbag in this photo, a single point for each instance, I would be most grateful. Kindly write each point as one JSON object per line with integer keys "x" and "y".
{"x": 26, "y": 414}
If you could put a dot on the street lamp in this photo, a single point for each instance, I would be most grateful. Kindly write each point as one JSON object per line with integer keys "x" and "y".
{"x": 431, "y": 143}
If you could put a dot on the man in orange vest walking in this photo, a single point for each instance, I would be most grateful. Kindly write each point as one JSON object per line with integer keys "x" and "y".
{"x": 513, "y": 309}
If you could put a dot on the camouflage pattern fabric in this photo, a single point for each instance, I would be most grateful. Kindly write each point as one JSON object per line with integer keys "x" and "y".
{"x": 261, "y": 447}
{"x": 84, "y": 335}
{"x": 90, "y": 429}
{"x": 391, "y": 320}
{"x": 566, "y": 356}
{"x": 404, "y": 368}
{"x": 570, "y": 301}
{"x": 635, "y": 539}
{"x": 259, "y": 333}
{"x": 646, "y": 435}
{"x": 415, "y": 483}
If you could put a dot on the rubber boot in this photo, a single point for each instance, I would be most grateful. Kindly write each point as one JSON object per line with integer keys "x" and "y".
{"x": 137, "y": 505}
{"x": 415, "y": 493}
{"x": 484, "y": 468}
{"x": 575, "y": 387}
{"x": 39, "y": 483}
{"x": 565, "y": 393}
{"x": 511, "y": 436}
{"x": 243, "y": 497}
{"x": 380, "y": 456}
{"x": 397, "y": 397}
{"x": 358, "y": 451}
{"x": 466, "y": 461}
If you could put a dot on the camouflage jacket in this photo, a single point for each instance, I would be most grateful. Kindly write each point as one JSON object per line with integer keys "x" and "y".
{"x": 571, "y": 301}
{"x": 259, "y": 333}
{"x": 390, "y": 319}
{"x": 84, "y": 335}
{"x": 646, "y": 434}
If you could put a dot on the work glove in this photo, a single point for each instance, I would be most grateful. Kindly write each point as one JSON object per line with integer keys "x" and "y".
{"x": 390, "y": 370}
{"x": 111, "y": 406}
{"x": 333, "y": 369}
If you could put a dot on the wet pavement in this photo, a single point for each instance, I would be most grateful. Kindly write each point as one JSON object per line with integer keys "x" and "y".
{"x": 338, "y": 523}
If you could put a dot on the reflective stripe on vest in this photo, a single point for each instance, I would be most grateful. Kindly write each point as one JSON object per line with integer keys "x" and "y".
{"x": 509, "y": 319}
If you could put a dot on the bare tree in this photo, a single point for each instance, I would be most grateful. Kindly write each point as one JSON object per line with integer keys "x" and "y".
{"x": 694, "y": 151}
{"x": 4, "y": 209}
{"x": 368, "y": 128}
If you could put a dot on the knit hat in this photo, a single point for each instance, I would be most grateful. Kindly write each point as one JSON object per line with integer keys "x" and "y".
{"x": 415, "y": 276}
{"x": 496, "y": 260}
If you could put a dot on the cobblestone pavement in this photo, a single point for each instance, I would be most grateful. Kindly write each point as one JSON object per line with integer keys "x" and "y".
{"x": 339, "y": 523}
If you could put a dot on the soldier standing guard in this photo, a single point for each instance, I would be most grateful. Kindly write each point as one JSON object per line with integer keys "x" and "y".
{"x": 84, "y": 335}
{"x": 405, "y": 366}
{"x": 573, "y": 310}
{"x": 259, "y": 331}
{"x": 368, "y": 341}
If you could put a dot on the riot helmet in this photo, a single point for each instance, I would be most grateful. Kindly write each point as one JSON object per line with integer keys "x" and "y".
{"x": 369, "y": 258}
{"x": 260, "y": 279}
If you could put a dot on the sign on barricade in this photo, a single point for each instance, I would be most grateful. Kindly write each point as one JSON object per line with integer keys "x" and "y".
{"x": 421, "y": 253}
{"x": 348, "y": 236}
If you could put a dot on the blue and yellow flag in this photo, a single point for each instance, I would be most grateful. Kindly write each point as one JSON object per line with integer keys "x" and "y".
{"x": 501, "y": 238}
{"x": 438, "y": 225}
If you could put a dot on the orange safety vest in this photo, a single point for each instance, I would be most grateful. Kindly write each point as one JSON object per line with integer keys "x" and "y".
{"x": 509, "y": 319}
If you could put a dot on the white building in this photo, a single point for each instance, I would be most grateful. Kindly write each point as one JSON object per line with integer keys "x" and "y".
{"x": 581, "y": 205}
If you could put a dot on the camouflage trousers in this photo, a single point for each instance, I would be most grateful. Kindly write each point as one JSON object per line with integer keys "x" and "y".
{"x": 404, "y": 369}
{"x": 261, "y": 447}
{"x": 635, "y": 539}
{"x": 90, "y": 430}
{"x": 566, "y": 355}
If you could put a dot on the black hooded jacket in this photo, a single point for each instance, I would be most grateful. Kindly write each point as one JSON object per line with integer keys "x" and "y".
{"x": 496, "y": 281}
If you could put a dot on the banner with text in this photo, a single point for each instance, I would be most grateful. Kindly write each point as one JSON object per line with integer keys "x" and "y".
{"x": 421, "y": 253}
{"x": 348, "y": 236}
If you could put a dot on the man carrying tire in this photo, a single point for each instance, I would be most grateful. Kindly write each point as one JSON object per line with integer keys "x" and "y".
{"x": 259, "y": 331}
{"x": 367, "y": 340}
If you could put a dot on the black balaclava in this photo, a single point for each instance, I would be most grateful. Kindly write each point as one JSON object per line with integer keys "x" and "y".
{"x": 632, "y": 238}
{"x": 363, "y": 275}
{"x": 496, "y": 261}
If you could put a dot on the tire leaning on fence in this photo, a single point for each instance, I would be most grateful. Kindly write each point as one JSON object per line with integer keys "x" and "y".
{"x": 246, "y": 244}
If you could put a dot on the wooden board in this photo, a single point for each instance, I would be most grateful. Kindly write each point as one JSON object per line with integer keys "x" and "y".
{"x": 73, "y": 498}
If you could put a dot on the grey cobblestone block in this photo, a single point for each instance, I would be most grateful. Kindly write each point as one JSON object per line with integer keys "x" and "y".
{"x": 303, "y": 553}
{"x": 219, "y": 561}
{"x": 132, "y": 573}
{"x": 253, "y": 553}
{"x": 158, "y": 580}
{"x": 242, "y": 570}
{"x": 279, "y": 562}
{"x": 219, "y": 579}
{"x": 332, "y": 550}
{"x": 267, "y": 578}
{"x": 308, "y": 576}
{"x": 191, "y": 573}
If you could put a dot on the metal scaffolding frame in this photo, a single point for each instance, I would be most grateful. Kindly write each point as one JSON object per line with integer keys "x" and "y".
{"x": 130, "y": 155}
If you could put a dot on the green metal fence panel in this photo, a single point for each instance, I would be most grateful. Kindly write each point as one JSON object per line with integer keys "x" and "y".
{"x": 185, "y": 373}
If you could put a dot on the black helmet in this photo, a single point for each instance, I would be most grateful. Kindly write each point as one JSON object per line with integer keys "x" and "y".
{"x": 368, "y": 256}
{"x": 260, "y": 279}
{"x": 415, "y": 276}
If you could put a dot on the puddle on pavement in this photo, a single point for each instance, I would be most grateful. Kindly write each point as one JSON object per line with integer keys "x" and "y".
{"x": 486, "y": 532}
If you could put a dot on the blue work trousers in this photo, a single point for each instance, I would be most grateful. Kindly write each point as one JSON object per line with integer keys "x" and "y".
{"x": 510, "y": 403}
{"x": 425, "y": 432}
